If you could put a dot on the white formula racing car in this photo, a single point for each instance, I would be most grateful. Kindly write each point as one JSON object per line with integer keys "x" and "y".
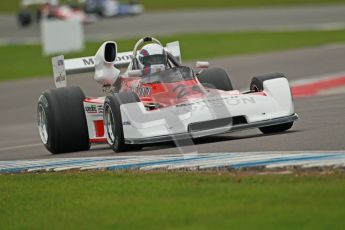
{"x": 141, "y": 108}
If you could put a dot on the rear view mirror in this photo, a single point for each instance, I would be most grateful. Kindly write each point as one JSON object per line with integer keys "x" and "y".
{"x": 202, "y": 64}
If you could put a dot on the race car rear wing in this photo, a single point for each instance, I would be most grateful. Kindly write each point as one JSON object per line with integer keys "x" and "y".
{"x": 63, "y": 67}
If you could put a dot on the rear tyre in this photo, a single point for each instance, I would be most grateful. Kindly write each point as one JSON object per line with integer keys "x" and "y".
{"x": 257, "y": 85}
{"x": 217, "y": 78}
{"x": 61, "y": 120}
{"x": 113, "y": 121}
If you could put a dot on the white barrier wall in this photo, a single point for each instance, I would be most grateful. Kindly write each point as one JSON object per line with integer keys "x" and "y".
{"x": 61, "y": 36}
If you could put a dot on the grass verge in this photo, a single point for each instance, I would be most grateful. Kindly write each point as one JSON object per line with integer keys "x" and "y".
{"x": 25, "y": 61}
{"x": 170, "y": 201}
{"x": 13, "y": 5}
{"x": 207, "y": 4}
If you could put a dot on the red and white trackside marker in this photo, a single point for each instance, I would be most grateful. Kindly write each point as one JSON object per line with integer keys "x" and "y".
{"x": 317, "y": 86}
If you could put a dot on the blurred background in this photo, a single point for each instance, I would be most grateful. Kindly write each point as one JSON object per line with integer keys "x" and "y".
{"x": 205, "y": 28}
{"x": 304, "y": 39}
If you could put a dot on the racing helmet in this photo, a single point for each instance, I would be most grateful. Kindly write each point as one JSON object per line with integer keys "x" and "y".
{"x": 152, "y": 58}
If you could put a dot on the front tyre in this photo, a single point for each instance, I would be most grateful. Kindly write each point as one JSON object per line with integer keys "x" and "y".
{"x": 257, "y": 85}
{"x": 276, "y": 128}
{"x": 113, "y": 121}
{"x": 61, "y": 120}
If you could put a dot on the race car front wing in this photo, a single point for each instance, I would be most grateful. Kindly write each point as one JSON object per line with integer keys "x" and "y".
{"x": 212, "y": 130}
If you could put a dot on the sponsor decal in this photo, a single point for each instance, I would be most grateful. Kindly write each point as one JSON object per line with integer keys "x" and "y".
{"x": 123, "y": 58}
{"x": 233, "y": 100}
{"x": 100, "y": 108}
{"x": 91, "y": 62}
{"x": 91, "y": 109}
{"x": 59, "y": 71}
{"x": 60, "y": 62}
{"x": 88, "y": 61}
{"x": 60, "y": 78}
{"x": 142, "y": 91}
{"x": 213, "y": 102}
{"x": 126, "y": 123}
{"x": 180, "y": 90}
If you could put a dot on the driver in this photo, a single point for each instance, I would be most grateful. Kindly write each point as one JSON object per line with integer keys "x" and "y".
{"x": 152, "y": 58}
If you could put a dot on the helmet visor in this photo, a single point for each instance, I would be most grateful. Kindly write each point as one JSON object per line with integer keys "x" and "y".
{"x": 158, "y": 59}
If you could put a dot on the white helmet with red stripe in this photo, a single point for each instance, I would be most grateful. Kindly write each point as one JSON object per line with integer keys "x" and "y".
{"x": 152, "y": 58}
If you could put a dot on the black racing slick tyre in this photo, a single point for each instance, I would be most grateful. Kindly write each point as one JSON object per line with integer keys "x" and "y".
{"x": 113, "y": 121}
{"x": 276, "y": 128}
{"x": 257, "y": 85}
{"x": 61, "y": 120}
{"x": 217, "y": 78}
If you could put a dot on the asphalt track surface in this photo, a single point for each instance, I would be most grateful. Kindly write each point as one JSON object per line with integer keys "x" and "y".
{"x": 165, "y": 23}
{"x": 321, "y": 126}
